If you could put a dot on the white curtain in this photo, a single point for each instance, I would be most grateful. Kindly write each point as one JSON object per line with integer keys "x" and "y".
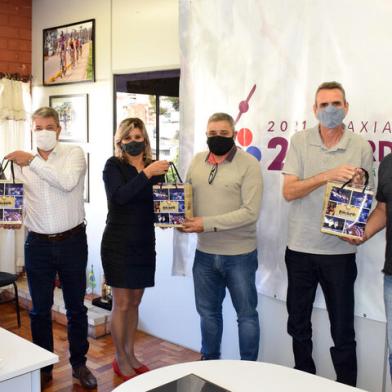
{"x": 15, "y": 107}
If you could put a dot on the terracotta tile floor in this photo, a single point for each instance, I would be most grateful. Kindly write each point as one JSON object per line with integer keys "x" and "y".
{"x": 150, "y": 350}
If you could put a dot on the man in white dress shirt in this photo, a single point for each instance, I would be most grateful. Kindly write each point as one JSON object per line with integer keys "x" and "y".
{"x": 56, "y": 242}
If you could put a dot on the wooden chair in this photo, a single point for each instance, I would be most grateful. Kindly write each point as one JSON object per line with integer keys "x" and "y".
{"x": 7, "y": 279}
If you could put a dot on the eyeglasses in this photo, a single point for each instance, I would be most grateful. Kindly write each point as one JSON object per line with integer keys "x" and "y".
{"x": 213, "y": 172}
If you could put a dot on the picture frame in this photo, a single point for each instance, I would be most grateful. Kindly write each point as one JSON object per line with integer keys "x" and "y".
{"x": 69, "y": 53}
{"x": 73, "y": 116}
{"x": 86, "y": 195}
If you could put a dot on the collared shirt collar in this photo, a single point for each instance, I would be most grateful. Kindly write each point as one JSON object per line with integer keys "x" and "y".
{"x": 229, "y": 157}
{"x": 55, "y": 151}
{"x": 315, "y": 139}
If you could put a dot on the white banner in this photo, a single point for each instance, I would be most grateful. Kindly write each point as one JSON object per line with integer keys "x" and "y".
{"x": 262, "y": 61}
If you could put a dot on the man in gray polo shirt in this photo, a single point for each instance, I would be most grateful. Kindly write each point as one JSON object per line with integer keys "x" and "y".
{"x": 227, "y": 187}
{"x": 327, "y": 152}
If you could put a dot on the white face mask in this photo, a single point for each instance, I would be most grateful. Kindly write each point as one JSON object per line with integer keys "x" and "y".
{"x": 45, "y": 139}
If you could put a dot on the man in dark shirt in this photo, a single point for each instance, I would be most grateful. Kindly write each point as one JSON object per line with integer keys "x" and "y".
{"x": 382, "y": 217}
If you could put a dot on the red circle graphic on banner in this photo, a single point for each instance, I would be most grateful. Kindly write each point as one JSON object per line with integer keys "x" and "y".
{"x": 244, "y": 137}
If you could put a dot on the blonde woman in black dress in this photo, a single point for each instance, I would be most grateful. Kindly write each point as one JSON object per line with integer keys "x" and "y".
{"x": 128, "y": 243}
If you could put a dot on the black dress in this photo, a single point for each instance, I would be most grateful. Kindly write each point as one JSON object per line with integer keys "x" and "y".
{"x": 128, "y": 242}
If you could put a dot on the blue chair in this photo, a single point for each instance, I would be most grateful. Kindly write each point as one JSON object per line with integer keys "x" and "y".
{"x": 7, "y": 279}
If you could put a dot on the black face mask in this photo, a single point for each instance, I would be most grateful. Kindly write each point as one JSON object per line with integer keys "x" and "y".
{"x": 133, "y": 148}
{"x": 220, "y": 145}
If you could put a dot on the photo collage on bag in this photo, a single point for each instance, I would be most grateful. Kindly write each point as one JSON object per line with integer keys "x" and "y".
{"x": 169, "y": 205}
{"x": 347, "y": 211}
{"x": 11, "y": 202}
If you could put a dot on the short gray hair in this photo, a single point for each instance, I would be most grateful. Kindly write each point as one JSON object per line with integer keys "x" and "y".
{"x": 330, "y": 86}
{"x": 46, "y": 112}
{"x": 222, "y": 117}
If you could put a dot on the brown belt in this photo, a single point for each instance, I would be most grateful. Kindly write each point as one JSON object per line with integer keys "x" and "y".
{"x": 60, "y": 236}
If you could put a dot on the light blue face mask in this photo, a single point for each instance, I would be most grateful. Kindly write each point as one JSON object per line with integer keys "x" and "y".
{"x": 331, "y": 116}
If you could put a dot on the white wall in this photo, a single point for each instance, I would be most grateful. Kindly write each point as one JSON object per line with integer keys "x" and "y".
{"x": 145, "y": 35}
{"x": 142, "y": 35}
{"x": 48, "y": 13}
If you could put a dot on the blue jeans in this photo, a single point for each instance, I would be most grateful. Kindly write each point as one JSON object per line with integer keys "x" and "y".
{"x": 388, "y": 314}
{"x": 336, "y": 275}
{"x": 211, "y": 275}
{"x": 44, "y": 258}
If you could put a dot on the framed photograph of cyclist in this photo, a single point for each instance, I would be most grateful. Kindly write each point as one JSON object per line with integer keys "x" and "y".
{"x": 73, "y": 116}
{"x": 69, "y": 53}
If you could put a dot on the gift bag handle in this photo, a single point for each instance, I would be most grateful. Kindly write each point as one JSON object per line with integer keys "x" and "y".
{"x": 2, "y": 170}
{"x": 366, "y": 180}
{"x": 173, "y": 166}
{"x": 174, "y": 171}
{"x": 4, "y": 166}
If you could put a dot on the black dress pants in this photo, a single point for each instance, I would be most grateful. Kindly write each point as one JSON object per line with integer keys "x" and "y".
{"x": 336, "y": 275}
{"x": 68, "y": 257}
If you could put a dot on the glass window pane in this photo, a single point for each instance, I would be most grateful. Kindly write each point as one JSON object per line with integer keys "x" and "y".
{"x": 141, "y": 106}
{"x": 169, "y": 128}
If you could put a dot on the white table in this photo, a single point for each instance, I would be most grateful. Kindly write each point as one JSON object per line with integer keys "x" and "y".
{"x": 21, "y": 362}
{"x": 238, "y": 376}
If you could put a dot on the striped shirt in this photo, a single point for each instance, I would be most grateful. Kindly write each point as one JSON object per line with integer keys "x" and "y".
{"x": 53, "y": 190}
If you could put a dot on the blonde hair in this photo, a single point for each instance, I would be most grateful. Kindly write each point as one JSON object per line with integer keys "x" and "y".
{"x": 122, "y": 132}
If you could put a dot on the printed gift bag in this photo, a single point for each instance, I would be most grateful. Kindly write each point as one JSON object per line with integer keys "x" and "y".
{"x": 11, "y": 197}
{"x": 172, "y": 201}
{"x": 346, "y": 209}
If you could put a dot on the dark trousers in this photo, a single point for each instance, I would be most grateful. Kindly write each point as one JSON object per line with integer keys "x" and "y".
{"x": 44, "y": 258}
{"x": 336, "y": 275}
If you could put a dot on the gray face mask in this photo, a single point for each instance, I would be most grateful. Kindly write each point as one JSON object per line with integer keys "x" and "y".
{"x": 331, "y": 117}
